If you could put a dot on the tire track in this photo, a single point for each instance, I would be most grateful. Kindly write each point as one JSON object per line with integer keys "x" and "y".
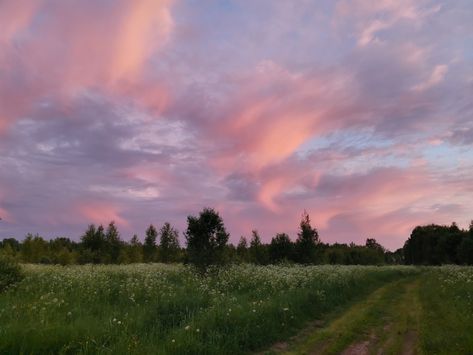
{"x": 386, "y": 322}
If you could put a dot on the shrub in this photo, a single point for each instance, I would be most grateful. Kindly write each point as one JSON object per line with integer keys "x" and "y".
{"x": 10, "y": 272}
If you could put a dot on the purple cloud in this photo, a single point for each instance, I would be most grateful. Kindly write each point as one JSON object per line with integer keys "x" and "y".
{"x": 358, "y": 112}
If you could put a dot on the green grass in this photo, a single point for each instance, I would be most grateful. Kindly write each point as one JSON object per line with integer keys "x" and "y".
{"x": 400, "y": 333}
{"x": 446, "y": 295}
{"x": 369, "y": 321}
{"x": 149, "y": 309}
{"x": 430, "y": 312}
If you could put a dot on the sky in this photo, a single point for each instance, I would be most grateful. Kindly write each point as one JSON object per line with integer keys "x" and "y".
{"x": 146, "y": 111}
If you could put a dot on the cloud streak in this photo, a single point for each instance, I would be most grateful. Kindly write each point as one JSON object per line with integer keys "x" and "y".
{"x": 143, "y": 112}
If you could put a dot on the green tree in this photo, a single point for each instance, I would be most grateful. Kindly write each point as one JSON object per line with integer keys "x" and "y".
{"x": 113, "y": 243}
{"x": 206, "y": 238}
{"x": 242, "y": 250}
{"x": 63, "y": 251}
{"x": 135, "y": 250}
{"x": 434, "y": 245}
{"x": 10, "y": 272}
{"x": 7, "y": 251}
{"x": 307, "y": 240}
{"x": 465, "y": 250}
{"x": 93, "y": 245}
{"x": 258, "y": 252}
{"x": 280, "y": 248}
{"x": 335, "y": 255}
{"x": 149, "y": 246}
{"x": 35, "y": 250}
{"x": 168, "y": 243}
{"x": 373, "y": 244}
{"x": 10, "y": 247}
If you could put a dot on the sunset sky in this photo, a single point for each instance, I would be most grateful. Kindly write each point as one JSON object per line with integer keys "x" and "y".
{"x": 146, "y": 111}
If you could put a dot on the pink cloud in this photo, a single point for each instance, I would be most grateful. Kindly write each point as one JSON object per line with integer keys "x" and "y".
{"x": 141, "y": 110}
{"x": 61, "y": 58}
{"x": 269, "y": 191}
{"x": 6, "y": 216}
{"x": 384, "y": 203}
{"x": 15, "y": 16}
{"x": 101, "y": 213}
{"x": 368, "y": 18}
{"x": 437, "y": 76}
{"x": 114, "y": 46}
{"x": 275, "y": 112}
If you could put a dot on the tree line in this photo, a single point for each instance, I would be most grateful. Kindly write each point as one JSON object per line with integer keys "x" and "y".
{"x": 206, "y": 244}
{"x": 98, "y": 245}
{"x": 436, "y": 245}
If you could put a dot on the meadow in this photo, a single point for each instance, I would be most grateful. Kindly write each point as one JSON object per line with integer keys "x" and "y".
{"x": 170, "y": 309}
{"x": 430, "y": 312}
{"x": 446, "y": 325}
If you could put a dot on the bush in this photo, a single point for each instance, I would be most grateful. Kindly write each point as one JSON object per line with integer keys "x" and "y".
{"x": 10, "y": 272}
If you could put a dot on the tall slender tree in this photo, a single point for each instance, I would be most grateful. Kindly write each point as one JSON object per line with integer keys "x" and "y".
{"x": 168, "y": 244}
{"x": 258, "y": 252}
{"x": 242, "y": 250}
{"x": 307, "y": 240}
{"x": 149, "y": 246}
{"x": 114, "y": 244}
{"x": 135, "y": 250}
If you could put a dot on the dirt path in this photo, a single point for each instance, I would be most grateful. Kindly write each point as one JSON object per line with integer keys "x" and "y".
{"x": 386, "y": 322}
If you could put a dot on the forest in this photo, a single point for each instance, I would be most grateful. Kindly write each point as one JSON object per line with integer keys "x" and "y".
{"x": 206, "y": 243}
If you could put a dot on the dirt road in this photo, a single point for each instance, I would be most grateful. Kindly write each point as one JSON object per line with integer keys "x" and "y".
{"x": 386, "y": 322}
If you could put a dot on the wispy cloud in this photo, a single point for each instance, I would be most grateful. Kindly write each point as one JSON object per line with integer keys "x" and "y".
{"x": 146, "y": 111}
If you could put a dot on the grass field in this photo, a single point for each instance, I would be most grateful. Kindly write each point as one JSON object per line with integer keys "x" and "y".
{"x": 162, "y": 309}
{"x": 427, "y": 313}
{"x": 170, "y": 309}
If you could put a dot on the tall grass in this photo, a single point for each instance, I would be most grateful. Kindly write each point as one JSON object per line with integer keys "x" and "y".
{"x": 447, "y": 300}
{"x": 10, "y": 272}
{"x": 154, "y": 308}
